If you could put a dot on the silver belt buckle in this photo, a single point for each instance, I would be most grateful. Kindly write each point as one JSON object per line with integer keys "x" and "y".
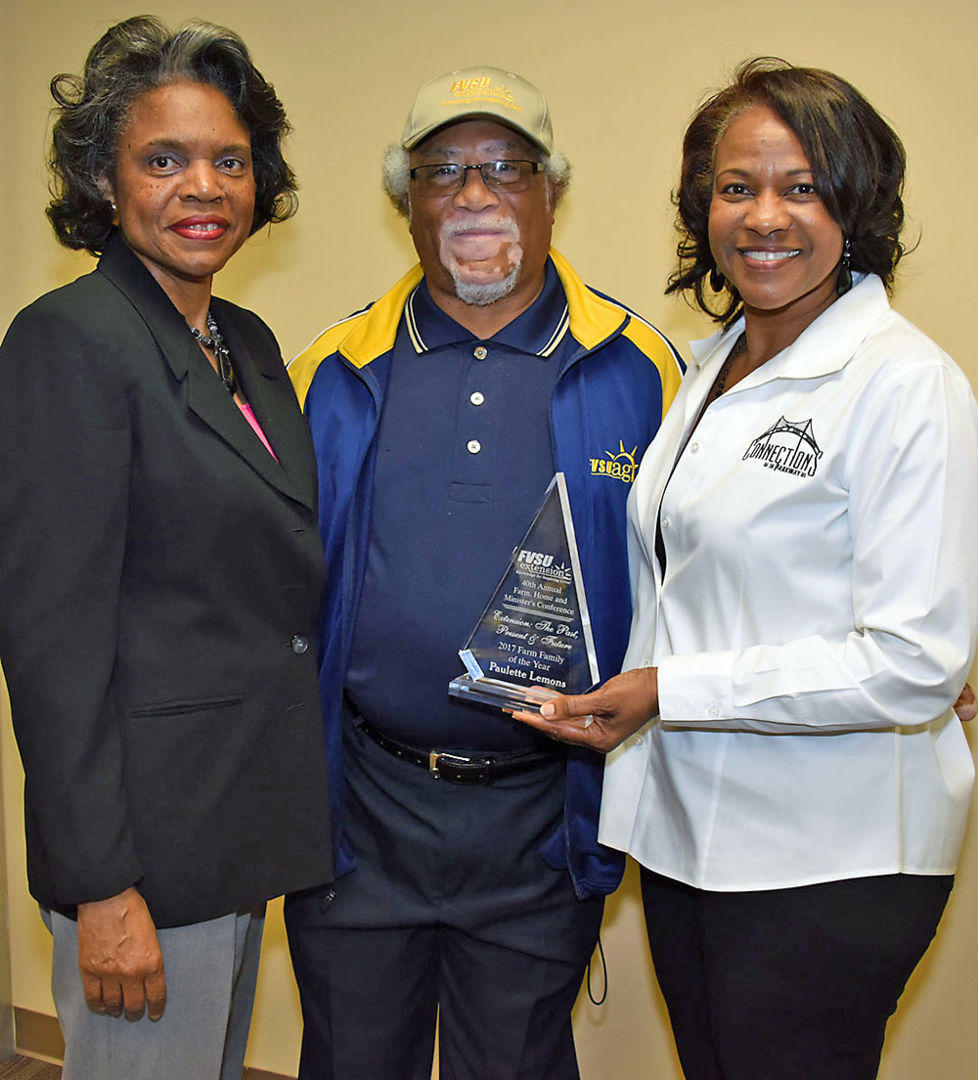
{"x": 435, "y": 756}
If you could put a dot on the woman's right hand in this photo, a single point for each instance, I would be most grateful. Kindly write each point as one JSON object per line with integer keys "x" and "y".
{"x": 602, "y": 719}
{"x": 119, "y": 957}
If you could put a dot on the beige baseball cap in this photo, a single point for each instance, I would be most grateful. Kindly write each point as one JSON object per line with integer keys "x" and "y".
{"x": 479, "y": 91}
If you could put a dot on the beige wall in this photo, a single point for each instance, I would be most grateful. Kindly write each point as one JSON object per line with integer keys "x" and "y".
{"x": 622, "y": 77}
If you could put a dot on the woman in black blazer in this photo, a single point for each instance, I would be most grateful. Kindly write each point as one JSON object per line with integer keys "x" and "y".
{"x": 160, "y": 565}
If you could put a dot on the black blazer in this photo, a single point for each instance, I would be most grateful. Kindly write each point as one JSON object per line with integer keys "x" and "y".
{"x": 160, "y": 576}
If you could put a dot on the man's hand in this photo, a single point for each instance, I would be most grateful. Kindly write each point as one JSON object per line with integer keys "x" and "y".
{"x": 119, "y": 957}
{"x": 618, "y": 709}
{"x": 965, "y": 705}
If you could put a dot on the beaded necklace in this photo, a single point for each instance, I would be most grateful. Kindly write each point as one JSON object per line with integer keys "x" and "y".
{"x": 215, "y": 342}
{"x": 721, "y": 384}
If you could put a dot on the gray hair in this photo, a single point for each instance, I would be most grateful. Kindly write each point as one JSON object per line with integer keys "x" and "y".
{"x": 397, "y": 163}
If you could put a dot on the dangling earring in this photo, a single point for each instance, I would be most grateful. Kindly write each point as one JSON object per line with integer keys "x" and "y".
{"x": 716, "y": 280}
{"x": 844, "y": 284}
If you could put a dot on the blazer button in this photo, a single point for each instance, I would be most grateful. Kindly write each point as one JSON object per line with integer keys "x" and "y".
{"x": 300, "y": 644}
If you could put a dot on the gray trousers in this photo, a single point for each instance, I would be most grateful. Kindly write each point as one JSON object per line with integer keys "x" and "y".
{"x": 211, "y": 969}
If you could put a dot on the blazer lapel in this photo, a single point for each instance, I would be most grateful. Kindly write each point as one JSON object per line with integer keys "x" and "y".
{"x": 268, "y": 391}
{"x": 293, "y": 473}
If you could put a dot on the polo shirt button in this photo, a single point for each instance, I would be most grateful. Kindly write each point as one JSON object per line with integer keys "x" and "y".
{"x": 300, "y": 644}
{"x": 666, "y": 523}
{"x": 694, "y": 448}
{"x": 480, "y": 352}
{"x": 473, "y": 446}
{"x": 714, "y": 710}
{"x": 477, "y": 397}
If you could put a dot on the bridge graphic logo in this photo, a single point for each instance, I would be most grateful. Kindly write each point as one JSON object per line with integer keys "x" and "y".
{"x": 788, "y": 446}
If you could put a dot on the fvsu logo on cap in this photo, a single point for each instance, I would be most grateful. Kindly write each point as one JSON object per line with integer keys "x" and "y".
{"x": 473, "y": 91}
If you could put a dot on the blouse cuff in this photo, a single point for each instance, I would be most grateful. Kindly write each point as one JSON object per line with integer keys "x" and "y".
{"x": 696, "y": 687}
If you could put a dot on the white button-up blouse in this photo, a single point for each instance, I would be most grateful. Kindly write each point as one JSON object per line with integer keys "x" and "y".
{"x": 816, "y": 617}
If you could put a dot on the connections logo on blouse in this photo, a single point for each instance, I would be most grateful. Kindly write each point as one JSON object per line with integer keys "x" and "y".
{"x": 619, "y": 465}
{"x": 788, "y": 446}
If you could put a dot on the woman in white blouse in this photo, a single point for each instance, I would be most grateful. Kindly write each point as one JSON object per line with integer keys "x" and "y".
{"x": 789, "y": 771}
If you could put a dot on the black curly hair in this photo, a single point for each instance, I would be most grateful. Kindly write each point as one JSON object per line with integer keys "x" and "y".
{"x": 131, "y": 58}
{"x": 857, "y": 160}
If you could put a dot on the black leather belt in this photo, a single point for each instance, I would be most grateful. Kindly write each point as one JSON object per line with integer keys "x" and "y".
{"x": 457, "y": 768}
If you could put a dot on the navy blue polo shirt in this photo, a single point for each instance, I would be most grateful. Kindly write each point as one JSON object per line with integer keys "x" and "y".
{"x": 464, "y": 456}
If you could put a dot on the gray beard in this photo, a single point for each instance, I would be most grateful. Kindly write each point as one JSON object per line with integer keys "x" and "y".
{"x": 483, "y": 295}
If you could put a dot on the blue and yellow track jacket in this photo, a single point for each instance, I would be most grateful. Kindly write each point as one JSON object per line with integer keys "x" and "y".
{"x": 607, "y": 405}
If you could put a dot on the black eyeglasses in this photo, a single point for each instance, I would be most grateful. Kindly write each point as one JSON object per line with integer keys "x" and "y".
{"x": 450, "y": 177}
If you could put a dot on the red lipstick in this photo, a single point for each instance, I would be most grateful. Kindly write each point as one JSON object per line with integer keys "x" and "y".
{"x": 205, "y": 228}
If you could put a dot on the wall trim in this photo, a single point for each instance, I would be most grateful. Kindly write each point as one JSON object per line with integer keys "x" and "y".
{"x": 39, "y": 1035}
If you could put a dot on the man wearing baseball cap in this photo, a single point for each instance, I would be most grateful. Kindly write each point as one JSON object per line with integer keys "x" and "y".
{"x": 470, "y": 882}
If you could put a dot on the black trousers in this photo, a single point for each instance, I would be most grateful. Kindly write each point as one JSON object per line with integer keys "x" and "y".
{"x": 786, "y": 983}
{"x": 452, "y": 912}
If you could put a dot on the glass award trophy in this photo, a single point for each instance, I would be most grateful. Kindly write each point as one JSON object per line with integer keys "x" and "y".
{"x": 535, "y": 631}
